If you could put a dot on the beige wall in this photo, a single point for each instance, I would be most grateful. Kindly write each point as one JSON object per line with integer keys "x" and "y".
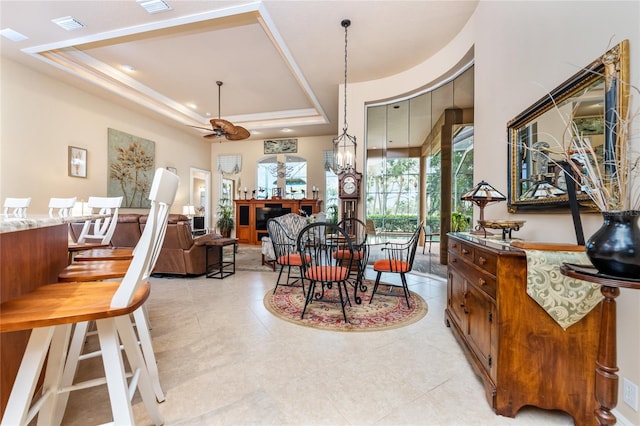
{"x": 521, "y": 51}
{"x": 41, "y": 117}
{"x": 252, "y": 151}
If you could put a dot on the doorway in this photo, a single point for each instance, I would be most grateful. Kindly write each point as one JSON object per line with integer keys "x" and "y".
{"x": 200, "y": 193}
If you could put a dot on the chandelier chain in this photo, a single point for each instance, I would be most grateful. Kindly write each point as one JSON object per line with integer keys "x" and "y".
{"x": 345, "y": 24}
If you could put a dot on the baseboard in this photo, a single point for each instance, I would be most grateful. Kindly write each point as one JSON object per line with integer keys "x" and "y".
{"x": 621, "y": 420}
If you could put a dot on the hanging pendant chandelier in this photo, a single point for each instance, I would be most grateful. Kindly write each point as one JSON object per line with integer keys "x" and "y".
{"x": 344, "y": 146}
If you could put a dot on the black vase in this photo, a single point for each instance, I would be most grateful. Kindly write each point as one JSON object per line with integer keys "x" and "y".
{"x": 615, "y": 248}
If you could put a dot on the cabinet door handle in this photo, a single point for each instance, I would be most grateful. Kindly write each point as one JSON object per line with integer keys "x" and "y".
{"x": 465, "y": 251}
{"x": 482, "y": 281}
{"x": 482, "y": 260}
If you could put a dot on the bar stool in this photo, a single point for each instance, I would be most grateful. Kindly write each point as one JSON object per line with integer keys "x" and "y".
{"x": 16, "y": 207}
{"x": 50, "y": 312}
{"x": 61, "y": 207}
{"x": 97, "y": 233}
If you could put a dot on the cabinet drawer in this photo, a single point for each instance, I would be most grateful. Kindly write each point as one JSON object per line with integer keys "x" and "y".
{"x": 483, "y": 281}
{"x": 464, "y": 250}
{"x": 485, "y": 260}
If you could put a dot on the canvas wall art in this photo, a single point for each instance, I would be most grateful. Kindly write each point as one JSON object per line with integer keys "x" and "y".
{"x": 131, "y": 168}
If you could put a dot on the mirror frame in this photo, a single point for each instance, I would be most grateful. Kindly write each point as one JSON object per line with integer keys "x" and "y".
{"x": 613, "y": 65}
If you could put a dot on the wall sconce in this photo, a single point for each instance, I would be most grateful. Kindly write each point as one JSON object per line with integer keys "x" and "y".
{"x": 344, "y": 146}
{"x": 481, "y": 195}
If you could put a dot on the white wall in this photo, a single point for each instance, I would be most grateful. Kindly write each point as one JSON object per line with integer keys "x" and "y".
{"x": 41, "y": 117}
{"x": 522, "y": 50}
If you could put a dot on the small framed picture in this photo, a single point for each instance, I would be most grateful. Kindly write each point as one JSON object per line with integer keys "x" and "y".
{"x": 77, "y": 162}
{"x": 173, "y": 170}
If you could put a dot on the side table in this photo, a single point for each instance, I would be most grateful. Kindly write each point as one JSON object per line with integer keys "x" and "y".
{"x": 606, "y": 378}
{"x": 223, "y": 268}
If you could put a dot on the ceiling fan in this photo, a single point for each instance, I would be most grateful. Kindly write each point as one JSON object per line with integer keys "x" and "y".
{"x": 225, "y": 128}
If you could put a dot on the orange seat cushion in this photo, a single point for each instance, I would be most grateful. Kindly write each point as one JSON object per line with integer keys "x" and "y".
{"x": 346, "y": 254}
{"x": 386, "y": 265}
{"x": 327, "y": 273}
{"x": 293, "y": 259}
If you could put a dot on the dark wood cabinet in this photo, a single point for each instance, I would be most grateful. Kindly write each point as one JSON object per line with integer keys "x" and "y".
{"x": 251, "y": 215}
{"x": 522, "y": 356}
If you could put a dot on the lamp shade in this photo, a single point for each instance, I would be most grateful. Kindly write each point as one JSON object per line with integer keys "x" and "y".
{"x": 542, "y": 189}
{"x": 483, "y": 192}
{"x": 188, "y": 210}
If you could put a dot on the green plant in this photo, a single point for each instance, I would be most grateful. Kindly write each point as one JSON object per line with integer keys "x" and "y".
{"x": 225, "y": 222}
{"x": 459, "y": 222}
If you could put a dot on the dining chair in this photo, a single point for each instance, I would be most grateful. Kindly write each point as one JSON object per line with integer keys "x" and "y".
{"x": 318, "y": 244}
{"x": 286, "y": 255}
{"x": 429, "y": 235}
{"x": 357, "y": 231}
{"x": 397, "y": 259}
{"x": 51, "y": 311}
{"x": 61, "y": 207}
{"x": 16, "y": 207}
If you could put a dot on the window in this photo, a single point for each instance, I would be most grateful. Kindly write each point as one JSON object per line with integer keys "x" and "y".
{"x": 290, "y": 176}
{"x": 392, "y": 193}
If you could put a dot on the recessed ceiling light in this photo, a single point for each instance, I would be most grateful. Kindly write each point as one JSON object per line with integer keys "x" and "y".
{"x": 208, "y": 114}
{"x": 129, "y": 68}
{"x": 69, "y": 23}
{"x": 13, "y": 35}
{"x": 287, "y": 130}
{"x": 192, "y": 105}
{"x": 154, "y": 6}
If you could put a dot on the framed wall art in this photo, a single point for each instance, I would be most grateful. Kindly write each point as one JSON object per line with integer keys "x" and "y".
{"x": 280, "y": 146}
{"x": 131, "y": 167}
{"x": 77, "y": 162}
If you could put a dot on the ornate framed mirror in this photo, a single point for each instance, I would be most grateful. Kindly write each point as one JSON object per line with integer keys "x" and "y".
{"x": 591, "y": 101}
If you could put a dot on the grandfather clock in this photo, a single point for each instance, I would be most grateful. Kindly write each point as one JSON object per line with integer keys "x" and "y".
{"x": 349, "y": 193}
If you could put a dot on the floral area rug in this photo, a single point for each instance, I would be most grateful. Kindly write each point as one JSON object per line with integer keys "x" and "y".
{"x": 386, "y": 312}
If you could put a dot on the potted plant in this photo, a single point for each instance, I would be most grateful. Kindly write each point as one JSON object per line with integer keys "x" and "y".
{"x": 225, "y": 221}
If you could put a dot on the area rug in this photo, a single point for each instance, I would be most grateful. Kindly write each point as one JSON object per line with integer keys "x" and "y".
{"x": 385, "y": 313}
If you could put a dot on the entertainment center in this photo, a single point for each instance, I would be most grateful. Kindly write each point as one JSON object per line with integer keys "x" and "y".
{"x": 252, "y": 215}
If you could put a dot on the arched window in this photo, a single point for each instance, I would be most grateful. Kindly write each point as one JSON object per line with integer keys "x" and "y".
{"x": 284, "y": 174}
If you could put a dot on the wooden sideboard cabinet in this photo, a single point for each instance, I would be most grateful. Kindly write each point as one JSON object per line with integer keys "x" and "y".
{"x": 252, "y": 215}
{"x": 522, "y": 356}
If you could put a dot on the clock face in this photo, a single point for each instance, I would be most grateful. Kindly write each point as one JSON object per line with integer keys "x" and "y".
{"x": 349, "y": 185}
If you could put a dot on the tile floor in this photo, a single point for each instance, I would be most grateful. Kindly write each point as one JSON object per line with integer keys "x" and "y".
{"x": 224, "y": 360}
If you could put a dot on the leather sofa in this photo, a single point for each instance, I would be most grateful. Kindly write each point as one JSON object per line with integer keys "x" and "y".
{"x": 181, "y": 253}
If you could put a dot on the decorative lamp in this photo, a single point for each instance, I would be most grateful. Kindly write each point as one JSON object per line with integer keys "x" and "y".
{"x": 344, "y": 146}
{"x": 481, "y": 195}
{"x": 542, "y": 189}
{"x": 189, "y": 211}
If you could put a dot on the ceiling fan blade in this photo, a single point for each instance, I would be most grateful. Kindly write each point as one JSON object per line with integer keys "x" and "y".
{"x": 239, "y": 134}
{"x": 212, "y": 136}
{"x": 202, "y": 128}
{"x": 224, "y": 125}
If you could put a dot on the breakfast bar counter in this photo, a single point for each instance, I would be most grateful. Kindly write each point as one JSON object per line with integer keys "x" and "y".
{"x": 33, "y": 251}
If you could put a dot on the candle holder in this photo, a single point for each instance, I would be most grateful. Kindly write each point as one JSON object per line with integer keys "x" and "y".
{"x": 315, "y": 193}
{"x": 253, "y": 194}
{"x": 245, "y": 194}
